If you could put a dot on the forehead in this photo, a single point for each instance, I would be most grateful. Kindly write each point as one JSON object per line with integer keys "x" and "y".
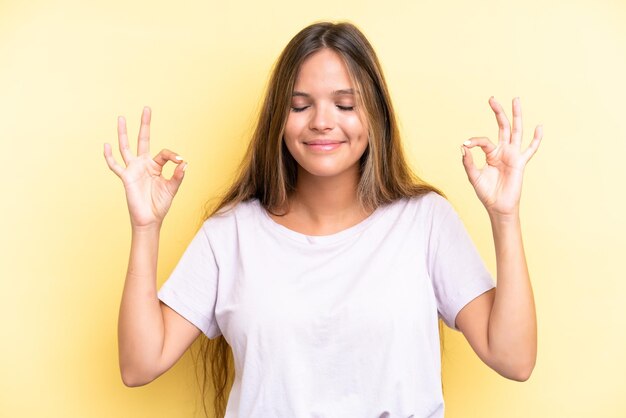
{"x": 323, "y": 70}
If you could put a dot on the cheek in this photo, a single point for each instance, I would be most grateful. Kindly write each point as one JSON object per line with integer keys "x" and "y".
{"x": 289, "y": 131}
{"x": 291, "y": 134}
{"x": 355, "y": 127}
{"x": 293, "y": 127}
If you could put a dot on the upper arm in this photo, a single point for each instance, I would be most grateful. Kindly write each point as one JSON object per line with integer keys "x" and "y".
{"x": 178, "y": 336}
{"x": 187, "y": 300}
{"x": 473, "y": 322}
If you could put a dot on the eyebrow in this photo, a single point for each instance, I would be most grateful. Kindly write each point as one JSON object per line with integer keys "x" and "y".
{"x": 334, "y": 93}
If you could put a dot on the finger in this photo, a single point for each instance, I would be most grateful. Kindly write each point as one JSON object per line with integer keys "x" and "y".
{"x": 516, "y": 135}
{"x": 113, "y": 165}
{"x": 470, "y": 168}
{"x": 484, "y": 143}
{"x": 166, "y": 155}
{"x": 123, "y": 140}
{"x": 177, "y": 177}
{"x": 143, "y": 142}
{"x": 504, "y": 133}
{"x": 534, "y": 144}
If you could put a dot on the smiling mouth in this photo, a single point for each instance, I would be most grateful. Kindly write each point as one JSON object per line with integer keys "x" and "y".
{"x": 323, "y": 145}
{"x": 323, "y": 142}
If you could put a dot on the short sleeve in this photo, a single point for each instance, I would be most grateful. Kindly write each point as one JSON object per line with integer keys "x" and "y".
{"x": 457, "y": 272}
{"x": 191, "y": 289}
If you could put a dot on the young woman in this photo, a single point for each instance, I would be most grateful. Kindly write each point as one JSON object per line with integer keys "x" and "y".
{"x": 327, "y": 264}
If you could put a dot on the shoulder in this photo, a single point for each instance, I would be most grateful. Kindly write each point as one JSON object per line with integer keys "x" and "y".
{"x": 430, "y": 205}
{"x": 237, "y": 209}
{"x": 430, "y": 199}
{"x": 232, "y": 215}
{"x": 432, "y": 213}
{"x": 422, "y": 214}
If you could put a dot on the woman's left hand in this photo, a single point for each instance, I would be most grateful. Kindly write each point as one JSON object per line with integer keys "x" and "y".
{"x": 499, "y": 183}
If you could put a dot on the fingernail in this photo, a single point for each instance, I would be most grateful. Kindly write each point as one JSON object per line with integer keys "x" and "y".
{"x": 185, "y": 167}
{"x": 467, "y": 143}
{"x": 463, "y": 151}
{"x": 179, "y": 158}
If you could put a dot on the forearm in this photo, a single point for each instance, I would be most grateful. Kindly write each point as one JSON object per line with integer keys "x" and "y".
{"x": 512, "y": 324}
{"x": 140, "y": 326}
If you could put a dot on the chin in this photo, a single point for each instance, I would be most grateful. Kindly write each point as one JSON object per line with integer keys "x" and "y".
{"x": 326, "y": 171}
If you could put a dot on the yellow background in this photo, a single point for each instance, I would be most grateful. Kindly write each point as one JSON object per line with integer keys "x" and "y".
{"x": 69, "y": 68}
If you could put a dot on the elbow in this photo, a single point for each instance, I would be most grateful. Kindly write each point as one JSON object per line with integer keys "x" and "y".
{"x": 521, "y": 373}
{"x": 132, "y": 381}
{"x": 521, "y": 376}
{"x": 517, "y": 365}
{"x": 134, "y": 378}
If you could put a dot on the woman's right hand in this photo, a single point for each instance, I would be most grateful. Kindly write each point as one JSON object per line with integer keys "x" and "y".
{"x": 149, "y": 195}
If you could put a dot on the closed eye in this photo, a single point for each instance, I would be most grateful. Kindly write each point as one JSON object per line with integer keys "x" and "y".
{"x": 344, "y": 108}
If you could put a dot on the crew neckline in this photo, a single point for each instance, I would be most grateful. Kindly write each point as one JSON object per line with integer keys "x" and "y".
{"x": 318, "y": 239}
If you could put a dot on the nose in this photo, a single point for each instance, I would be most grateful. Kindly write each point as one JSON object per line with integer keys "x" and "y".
{"x": 322, "y": 118}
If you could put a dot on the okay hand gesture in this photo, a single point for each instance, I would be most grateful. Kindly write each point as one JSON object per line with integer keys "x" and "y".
{"x": 149, "y": 195}
{"x": 499, "y": 183}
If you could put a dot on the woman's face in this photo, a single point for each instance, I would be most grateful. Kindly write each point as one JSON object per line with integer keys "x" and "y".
{"x": 325, "y": 133}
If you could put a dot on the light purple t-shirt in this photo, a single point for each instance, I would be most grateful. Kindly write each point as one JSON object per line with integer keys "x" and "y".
{"x": 341, "y": 325}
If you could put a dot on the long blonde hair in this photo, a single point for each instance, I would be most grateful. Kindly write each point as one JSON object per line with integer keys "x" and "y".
{"x": 269, "y": 172}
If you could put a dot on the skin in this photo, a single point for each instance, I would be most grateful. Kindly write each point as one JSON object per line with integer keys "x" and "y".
{"x": 151, "y": 336}
{"x": 325, "y": 200}
{"x": 499, "y": 325}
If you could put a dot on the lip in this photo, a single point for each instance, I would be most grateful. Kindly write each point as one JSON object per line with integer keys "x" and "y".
{"x": 323, "y": 145}
{"x": 323, "y": 142}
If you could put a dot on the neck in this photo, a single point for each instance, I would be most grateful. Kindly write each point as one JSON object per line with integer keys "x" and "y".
{"x": 327, "y": 202}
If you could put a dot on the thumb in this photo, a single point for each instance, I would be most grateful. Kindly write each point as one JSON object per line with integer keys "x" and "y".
{"x": 177, "y": 177}
{"x": 468, "y": 163}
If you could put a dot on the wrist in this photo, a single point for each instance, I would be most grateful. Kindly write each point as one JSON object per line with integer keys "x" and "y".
{"x": 154, "y": 228}
{"x": 508, "y": 218}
